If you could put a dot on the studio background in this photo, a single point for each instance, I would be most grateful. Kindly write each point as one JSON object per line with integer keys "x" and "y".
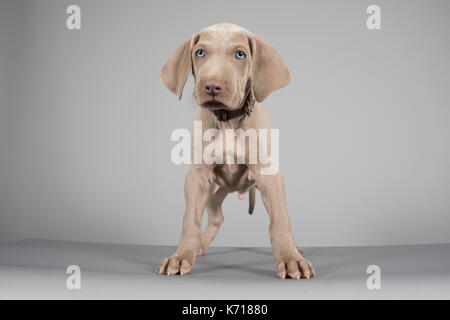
{"x": 85, "y": 124}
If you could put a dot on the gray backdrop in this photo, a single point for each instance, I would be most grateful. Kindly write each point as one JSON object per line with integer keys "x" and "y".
{"x": 85, "y": 124}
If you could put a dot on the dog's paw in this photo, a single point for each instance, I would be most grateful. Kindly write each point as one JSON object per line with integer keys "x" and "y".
{"x": 295, "y": 267}
{"x": 203, "y": 247}
{"x": 201, "y": 251}
{"x": 178, "y": 263}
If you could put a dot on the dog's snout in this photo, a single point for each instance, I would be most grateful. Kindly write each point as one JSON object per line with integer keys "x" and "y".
{"x": 213, "y": 87}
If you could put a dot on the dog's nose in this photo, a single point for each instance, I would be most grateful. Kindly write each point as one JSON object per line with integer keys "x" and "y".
{"x": 213, "y": 87}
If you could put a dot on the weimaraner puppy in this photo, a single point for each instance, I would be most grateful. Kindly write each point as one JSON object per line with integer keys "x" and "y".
{"x": 234, "y": 71}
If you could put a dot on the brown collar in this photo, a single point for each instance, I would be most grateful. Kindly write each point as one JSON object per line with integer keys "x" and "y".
{"x": 225, "y": 115}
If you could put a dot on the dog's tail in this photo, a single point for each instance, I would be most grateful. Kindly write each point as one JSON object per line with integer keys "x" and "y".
{"x": 251, "y": 200}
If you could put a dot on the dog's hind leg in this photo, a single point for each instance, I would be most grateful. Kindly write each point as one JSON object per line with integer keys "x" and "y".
{"x": 215, "y": 219}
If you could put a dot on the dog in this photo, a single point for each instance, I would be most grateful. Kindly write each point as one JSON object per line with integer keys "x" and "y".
{"x": 234, "y": 71}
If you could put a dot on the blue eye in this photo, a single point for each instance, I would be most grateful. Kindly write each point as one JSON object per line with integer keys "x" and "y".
{"x": 200, "y": 53}
{"x": 240, "y": 55}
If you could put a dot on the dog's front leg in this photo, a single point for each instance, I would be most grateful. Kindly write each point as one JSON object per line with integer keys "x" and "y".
{"x": 196, "y": 191}
{"x": 288, "y": 258}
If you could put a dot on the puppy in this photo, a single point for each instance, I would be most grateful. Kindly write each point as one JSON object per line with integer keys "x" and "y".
{"x": 234, "y": 71}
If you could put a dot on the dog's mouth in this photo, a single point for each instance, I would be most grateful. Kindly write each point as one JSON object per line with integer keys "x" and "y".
{"x": 214, "y": 105}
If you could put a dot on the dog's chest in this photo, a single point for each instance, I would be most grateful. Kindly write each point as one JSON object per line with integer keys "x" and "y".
{"x": 235, "y": 177}
{"x": 232, "y": 172}
{"x": 234, "y": 148}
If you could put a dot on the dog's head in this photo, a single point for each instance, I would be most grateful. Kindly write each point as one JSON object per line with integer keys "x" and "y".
{"x": 226, "y": 61}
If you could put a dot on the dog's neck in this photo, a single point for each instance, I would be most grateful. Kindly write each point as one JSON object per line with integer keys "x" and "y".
{"x": 234, "y": 123}
{"x": 232, "y": 119}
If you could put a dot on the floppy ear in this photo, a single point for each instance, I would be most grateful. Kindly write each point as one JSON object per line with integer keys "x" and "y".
{"x": 176, "y": 70}
{"x": 268, "y": 72}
